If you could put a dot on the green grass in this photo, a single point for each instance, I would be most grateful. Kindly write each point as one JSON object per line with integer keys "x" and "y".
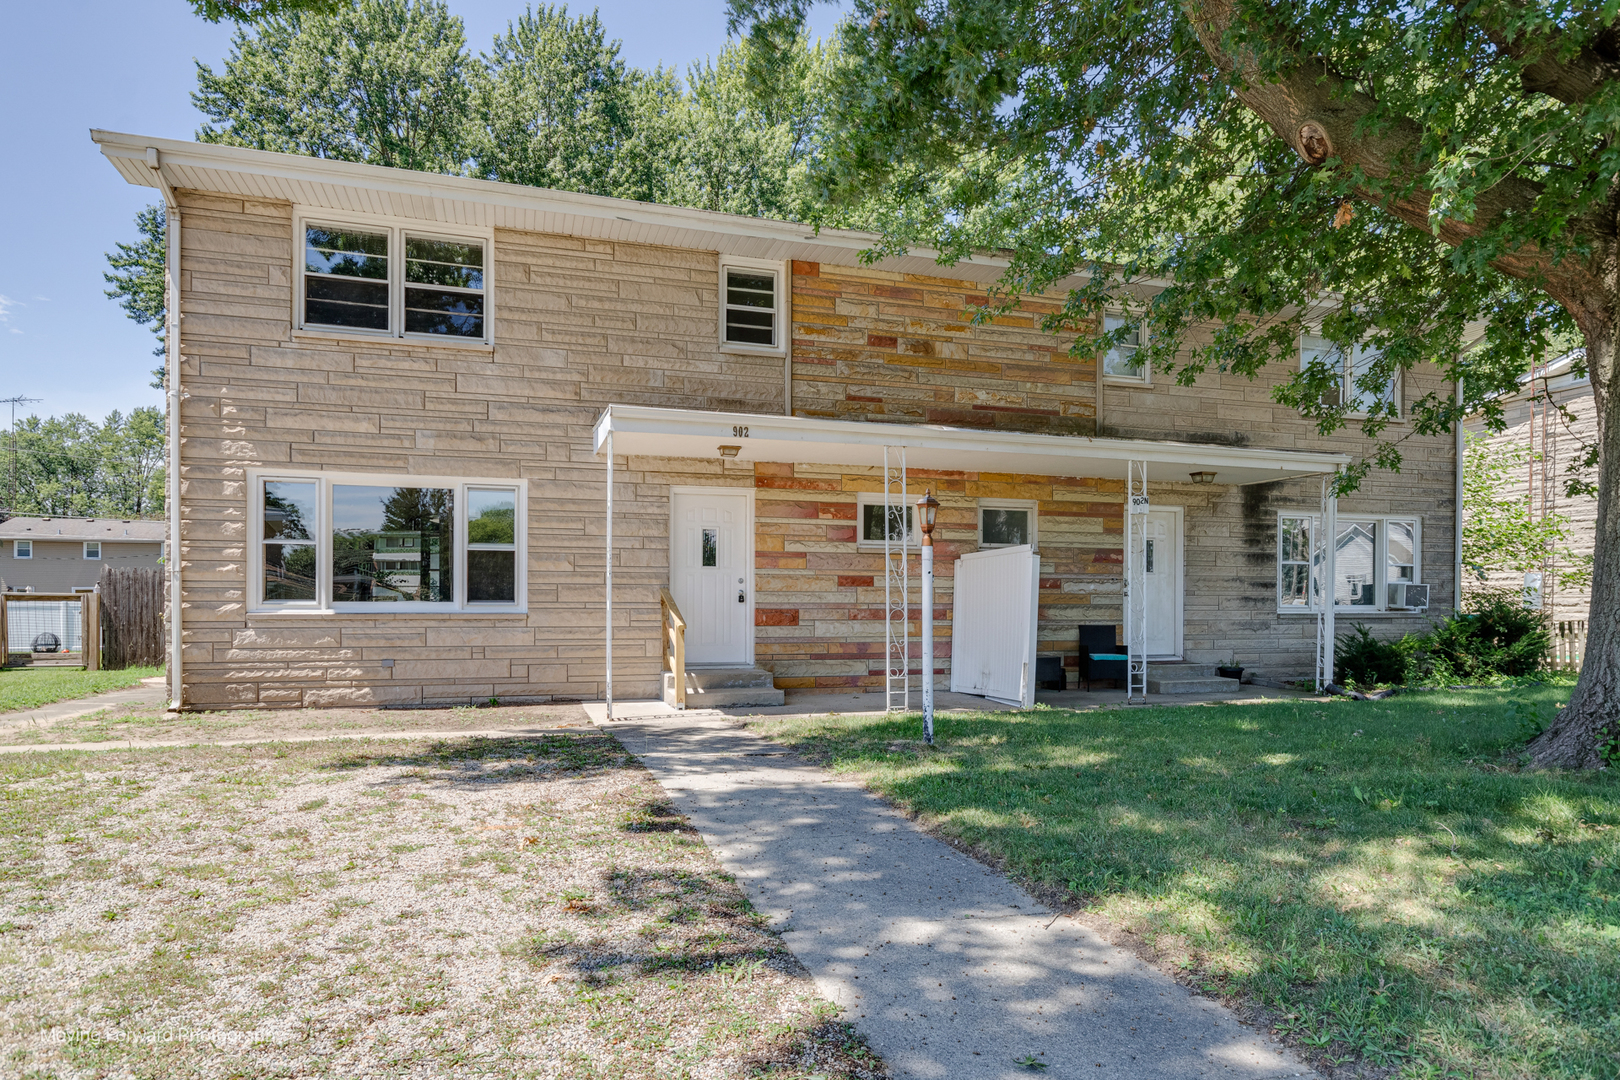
{"x": 29, "y": 688}
{"x": 1382, "y": 876}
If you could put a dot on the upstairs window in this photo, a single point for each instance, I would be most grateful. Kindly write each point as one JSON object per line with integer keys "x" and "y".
{"x": 22, "y": 549}
{"x": 751, "y": 306}
{"x": 92, "y": 549}
{"x": 1120, "y": 363}
{"x": 1351, "y": 369}
{"x": 392, "y": 281}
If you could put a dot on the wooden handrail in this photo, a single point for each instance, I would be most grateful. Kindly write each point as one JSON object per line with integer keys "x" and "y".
{"x": 673, "y": 650}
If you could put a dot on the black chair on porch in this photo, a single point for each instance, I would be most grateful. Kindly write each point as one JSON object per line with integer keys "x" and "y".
{"x": 1100, "y": 656}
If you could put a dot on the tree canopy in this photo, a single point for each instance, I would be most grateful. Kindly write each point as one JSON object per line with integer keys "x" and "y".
{"x": 1434, "y": 182}
{"x": 71, "y": 466}
{"x": 137, "y": 279}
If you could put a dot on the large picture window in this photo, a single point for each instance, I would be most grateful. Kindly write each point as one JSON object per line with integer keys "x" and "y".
{"x": 392, "y": 281}
{"x": 1372, "y": 559}
{"x": 354, "y": 542}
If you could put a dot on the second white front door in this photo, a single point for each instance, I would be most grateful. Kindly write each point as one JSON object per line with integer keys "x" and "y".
{"x": 1163, "y": 558}
{"x": 710, "y": 550}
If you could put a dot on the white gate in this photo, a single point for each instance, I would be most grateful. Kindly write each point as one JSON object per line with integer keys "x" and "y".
{"x": 994, "y": 611}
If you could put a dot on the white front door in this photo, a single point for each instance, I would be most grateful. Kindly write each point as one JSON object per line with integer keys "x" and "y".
{"x": 710, "y": 551}
{"x": 1163, "y": 558}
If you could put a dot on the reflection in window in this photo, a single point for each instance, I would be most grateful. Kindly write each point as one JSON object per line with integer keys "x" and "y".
{"x": 289, "y": 541}
{"x": 1120, "y": 361}
{"x": 1002, "y": 527}
{"x": 491, "y": 546}
{"x": 1294, "y": 558}
{"x": 1354, "y": 564}
{"x": 345, "y": 278}
{"x": 711, "y": 547}
{"x": 444, "y": 287}
{"x": 392, "y": 544}
{"x": 872, "y": 523}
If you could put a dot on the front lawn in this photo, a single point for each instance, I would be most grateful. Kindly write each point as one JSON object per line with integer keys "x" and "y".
{"x": 523, "y": 907}
{"x": 1379, "y": 875}
{"x": 31, "y": 687}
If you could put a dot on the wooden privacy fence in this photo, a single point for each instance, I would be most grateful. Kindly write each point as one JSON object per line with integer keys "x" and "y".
{"x": 1568, "y": 647}
{"x": 50, "y": 629}
{"x": 132, "y": 599}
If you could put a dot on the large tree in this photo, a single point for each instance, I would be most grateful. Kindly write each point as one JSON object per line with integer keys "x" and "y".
{"x": 1406, "y": 174}
{"x": 71, "y": 466}
{"x": 138, "y": 282}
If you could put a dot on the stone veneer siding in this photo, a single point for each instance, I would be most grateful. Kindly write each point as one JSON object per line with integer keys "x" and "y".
{"x": 872, "y": 344}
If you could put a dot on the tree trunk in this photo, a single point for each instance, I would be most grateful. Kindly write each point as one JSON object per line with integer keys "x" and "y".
{"x": 1587, "y": 733}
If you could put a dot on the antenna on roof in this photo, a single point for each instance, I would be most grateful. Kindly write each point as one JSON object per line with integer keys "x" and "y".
{"x": 11, "y": 495}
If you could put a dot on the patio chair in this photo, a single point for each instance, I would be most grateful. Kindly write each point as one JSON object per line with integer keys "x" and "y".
{"x": 1100, "y": 656}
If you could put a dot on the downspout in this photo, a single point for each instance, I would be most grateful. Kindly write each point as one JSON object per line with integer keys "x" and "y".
{"x": 171, "y": 365}
{"x": 1457, "y": 569}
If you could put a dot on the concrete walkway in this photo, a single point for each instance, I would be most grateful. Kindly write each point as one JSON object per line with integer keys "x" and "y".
{"x": 147, "y": 692}
{"x": 948, "y": 969}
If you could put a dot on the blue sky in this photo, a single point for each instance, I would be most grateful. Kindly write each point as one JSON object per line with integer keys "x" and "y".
{"x": 65, "y": 68}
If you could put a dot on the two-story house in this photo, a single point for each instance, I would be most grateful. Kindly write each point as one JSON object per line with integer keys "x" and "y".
{"x": 401, "y": 398}
{"x": 66, "y": 555}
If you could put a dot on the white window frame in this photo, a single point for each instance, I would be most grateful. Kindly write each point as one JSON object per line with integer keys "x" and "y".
{"x": 1146, "y": 377}
{"x": 1347, "y": 371}
{"x": 18, "y": 547}
{"x": 323, "y": 603}
{"x": 397, "y": 229}
{"x": 784, "y": 328}
{"x": 1380, "y": 563}
{"x": 1008, "y": 504}
{"x": 875, "y": 498}
{"x": 88, "y": 544}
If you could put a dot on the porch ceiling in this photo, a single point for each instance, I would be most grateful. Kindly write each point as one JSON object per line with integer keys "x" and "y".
{"x": 691, "y": 433}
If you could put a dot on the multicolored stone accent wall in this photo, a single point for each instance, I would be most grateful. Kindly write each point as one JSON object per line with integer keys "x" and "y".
{"x": 873, "y": 344}
{"x": 819, "y": 603}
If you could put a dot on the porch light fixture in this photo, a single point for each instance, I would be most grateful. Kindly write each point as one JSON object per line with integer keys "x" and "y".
{"x": 927, "y": 508}
{"x": 730, "y": 451}
{"x": 1203, "y": 477}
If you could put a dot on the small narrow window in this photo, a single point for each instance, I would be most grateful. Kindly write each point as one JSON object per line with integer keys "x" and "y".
{"x": 22, "y": 549}
{"x": 289, "y": 541}
{"x": 1120, "y": 362}
{"x": 1294, "y": 558}
{"x": 711, "y": 547}
{"x": 1006, "y": 524}
{"x": 1148, "y": 555}
{"x": 92, "y": 549}
{"x": 750, "y": 308}
{"x": 491, "y": 546}
{"x": 444, "y": 287}
{"x": 346, "y": 278}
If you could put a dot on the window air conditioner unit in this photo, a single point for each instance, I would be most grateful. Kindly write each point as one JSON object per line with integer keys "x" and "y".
{"x": 1408, "y": 596}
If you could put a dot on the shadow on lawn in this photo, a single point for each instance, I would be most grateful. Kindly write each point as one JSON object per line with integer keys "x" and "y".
{"x": 482, "y": 760}
{"x": 1380, "y": 876}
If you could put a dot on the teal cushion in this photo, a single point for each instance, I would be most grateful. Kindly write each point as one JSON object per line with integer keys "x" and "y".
{"x": 1109, "y": 656}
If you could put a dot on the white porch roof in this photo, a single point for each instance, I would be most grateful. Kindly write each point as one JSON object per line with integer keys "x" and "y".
{"x": 693, "y": 433}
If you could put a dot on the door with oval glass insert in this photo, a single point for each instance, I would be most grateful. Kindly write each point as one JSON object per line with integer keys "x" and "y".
{"x": 710, "y": 551}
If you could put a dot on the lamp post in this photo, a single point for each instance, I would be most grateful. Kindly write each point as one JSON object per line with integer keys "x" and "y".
{"x": 927, "y": 507}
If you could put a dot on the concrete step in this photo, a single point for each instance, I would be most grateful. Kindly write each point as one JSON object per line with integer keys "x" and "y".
{"x": 1188, "y": 679}
{"x": 724, "y": 688}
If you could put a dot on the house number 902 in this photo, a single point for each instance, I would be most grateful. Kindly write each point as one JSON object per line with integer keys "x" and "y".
{"x": 739, "y": 432}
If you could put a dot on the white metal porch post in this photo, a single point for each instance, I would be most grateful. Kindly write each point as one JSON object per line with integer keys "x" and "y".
{"x": 608, "y": 577}
{"x": 1136, "y": 510}
{"x": 1322, "y": 563}
{"x": 896, "y": 585}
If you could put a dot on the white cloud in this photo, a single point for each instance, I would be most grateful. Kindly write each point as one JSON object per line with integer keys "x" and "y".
{"x": 7, "y": 304}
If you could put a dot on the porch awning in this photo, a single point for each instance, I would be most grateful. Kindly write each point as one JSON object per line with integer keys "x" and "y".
{"x": 692, "y": 433}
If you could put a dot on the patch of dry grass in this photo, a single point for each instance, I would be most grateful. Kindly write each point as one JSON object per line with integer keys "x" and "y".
{"x": 514, "y": 907}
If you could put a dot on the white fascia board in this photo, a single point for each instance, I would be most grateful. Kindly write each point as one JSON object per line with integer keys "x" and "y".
{"x": 654, "y": 432}
{"x": 341, "y": 185}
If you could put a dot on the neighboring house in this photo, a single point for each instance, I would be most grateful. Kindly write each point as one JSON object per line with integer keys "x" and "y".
{"x": 64, "y": 555}
{"x": 1553, "y": 418}
{"x": 396, "y": 391}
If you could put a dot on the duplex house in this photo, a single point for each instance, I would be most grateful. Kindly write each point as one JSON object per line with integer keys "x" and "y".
{"x": 438, "y": 437}
{"x": 65, "y": 555}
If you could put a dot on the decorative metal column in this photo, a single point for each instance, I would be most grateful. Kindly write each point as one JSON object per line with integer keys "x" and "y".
{"x": 1323, "y": 549}
{"x": 1136, "y": 511}
{"x": 927, "y": 508}
{"x": 896, "y": 583}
